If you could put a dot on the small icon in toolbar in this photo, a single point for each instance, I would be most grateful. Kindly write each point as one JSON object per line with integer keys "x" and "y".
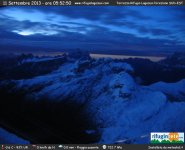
{"x": 104, "y": 146}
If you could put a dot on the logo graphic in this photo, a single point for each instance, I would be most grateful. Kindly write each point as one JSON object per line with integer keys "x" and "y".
{"x": 167, "y": 137}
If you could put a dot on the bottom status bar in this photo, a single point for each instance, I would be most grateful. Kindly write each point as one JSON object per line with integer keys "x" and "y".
{"x": 92, "y": 147}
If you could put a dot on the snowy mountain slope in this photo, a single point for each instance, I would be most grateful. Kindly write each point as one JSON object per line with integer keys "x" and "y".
{"x": 9, "y": 138}
{"x": 177, "y": 59}
{"x": 70, "y": 78}
{"x": 121, "y": 109}
{"x": 35, "y": 59}
{"x": 175, "y": 91}
{"x": 30, "y": 58}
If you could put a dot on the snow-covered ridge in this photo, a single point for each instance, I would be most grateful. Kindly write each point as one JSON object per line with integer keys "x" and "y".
{"x": 9, "y": 138}
{"x": 175, "y": 91}
{"x": 121, "y": 109}
{"x": 38, "y": 59}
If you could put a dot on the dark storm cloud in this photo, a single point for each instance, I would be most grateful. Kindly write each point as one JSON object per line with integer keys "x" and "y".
{"x": 110, "y": 40}
{"x": 91, "y": 12}
{"x": 178, "y": 18}
{"x": 120, "y": 23}
{"x": 108, "y": 34}
{"x": 10, "y": 24}
{"x": 106, "y": 15}
{"x": 9, "y": 35}
{"x": 180, "y": 13}
{"x": 154, "y": 31}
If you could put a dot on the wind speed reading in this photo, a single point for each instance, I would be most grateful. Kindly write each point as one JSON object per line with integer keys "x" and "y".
{"x": 37, "y": 3}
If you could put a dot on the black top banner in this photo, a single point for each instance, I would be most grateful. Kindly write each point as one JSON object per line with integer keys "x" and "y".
{"x": 92, "y": 2}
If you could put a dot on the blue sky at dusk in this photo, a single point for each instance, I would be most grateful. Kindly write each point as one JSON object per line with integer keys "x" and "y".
{"x": 116, "y": 30}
